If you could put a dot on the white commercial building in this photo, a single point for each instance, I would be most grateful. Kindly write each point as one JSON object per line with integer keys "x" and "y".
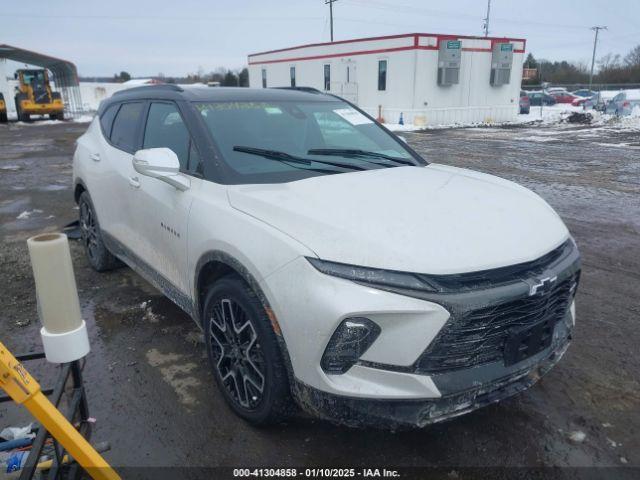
{"x": 430, "y": 79}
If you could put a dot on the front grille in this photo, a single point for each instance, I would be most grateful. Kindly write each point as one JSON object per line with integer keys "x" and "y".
{"x": 478, "y": 336}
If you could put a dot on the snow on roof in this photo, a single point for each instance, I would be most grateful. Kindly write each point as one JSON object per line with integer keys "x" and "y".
{"x": 632, "y": 94}
{"x": 608, "y": 94}
{"x": 134, "y": 82}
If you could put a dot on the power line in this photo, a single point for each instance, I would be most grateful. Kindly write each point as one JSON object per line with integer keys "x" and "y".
{"x": 398, "y": 8}
{"x": 217, "y": 18}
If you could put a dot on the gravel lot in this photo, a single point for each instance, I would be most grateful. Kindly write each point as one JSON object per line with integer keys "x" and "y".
{"x": 147, "y": 376}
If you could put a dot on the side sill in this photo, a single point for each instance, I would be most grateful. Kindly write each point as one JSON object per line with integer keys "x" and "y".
{"x": 147, "y": 272}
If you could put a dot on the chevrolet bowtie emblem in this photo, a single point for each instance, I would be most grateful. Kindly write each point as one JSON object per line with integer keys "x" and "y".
{"x": 542, "y": 286}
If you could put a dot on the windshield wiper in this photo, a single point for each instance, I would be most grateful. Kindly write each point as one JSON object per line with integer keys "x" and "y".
{"x": 353, "y": 152}
{"x": 288, "y": 158}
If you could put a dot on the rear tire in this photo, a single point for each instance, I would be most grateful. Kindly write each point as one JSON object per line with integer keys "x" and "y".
{"x": 100, "y": 258}
{"x": 244, "y": 353}
{"x": 3, "y": 117}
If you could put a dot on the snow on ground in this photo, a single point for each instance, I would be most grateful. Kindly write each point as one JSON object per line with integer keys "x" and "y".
{"x": 396, "y": 127}
{"x": 86, "y": 118}
{"x": 547, "y": 116}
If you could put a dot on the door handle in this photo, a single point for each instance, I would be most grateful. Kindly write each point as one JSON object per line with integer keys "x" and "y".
{"x": 95, "y": 157}
{"x": 134, "y": 182}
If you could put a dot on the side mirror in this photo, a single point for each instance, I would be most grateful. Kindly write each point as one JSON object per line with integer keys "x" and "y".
{"x": 161, "y": 163}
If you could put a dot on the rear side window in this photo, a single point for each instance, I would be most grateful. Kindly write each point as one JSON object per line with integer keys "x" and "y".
{"x": 125, "y": 126}
{"x": 106, "y": 120}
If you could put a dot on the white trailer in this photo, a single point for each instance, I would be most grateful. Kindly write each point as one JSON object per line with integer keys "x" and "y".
{"x": 431, "y": 79}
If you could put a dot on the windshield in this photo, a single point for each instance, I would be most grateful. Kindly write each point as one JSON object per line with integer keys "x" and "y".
{"x": 35, "y": 78}
{"x": 273, "y": 142}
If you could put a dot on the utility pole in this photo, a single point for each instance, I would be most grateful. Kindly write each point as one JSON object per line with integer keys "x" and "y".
{"x": 485, "y": 25}
{"x": 330, "y": 3}
{"x": 593, "y": 58}
{"x": 541, "y": 89}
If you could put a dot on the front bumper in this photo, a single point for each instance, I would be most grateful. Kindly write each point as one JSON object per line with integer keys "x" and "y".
{"x": 429, "y": 363}
{"x": 33, "y": 108}
{"x": 400, "y": 414}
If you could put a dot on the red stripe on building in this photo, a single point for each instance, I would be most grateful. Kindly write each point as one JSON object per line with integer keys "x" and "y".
{"x": 438, "y": 36}
{"x": 367, "y": 52}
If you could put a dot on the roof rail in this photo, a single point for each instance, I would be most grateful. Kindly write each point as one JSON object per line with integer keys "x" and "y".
{"x": 157, "y": 86}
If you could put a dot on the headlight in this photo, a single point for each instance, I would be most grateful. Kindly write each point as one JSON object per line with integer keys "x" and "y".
{"x": 348, "y": 343}
{"x": 421, "y": 285}
{"x": 375, "y": 277}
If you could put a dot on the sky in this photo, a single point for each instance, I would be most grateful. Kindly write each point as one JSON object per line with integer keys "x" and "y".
{"x": 146, "y": 37}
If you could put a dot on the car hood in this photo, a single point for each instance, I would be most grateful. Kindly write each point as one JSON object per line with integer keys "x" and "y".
{"x": 433, "y": 219}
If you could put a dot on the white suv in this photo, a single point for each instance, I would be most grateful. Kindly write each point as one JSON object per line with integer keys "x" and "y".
{"x": 324, "y": 259}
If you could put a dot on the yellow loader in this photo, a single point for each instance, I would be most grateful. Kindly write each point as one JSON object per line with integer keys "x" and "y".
{"x": 35, "y": 97}
{"x": 3, "y": 109}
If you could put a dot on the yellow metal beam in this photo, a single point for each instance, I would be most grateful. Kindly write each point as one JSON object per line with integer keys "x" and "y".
{"x": 24, "y": 390}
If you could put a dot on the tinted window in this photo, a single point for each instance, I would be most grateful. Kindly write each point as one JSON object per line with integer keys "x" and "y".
{"x": 166, "y": 129}
{"x": 298, "y": 129}
{"x": 382, "y": 75}
{"x": 327, "y": 77}
{"x": 106, "y": 120}
{"x": 125, "y": 126}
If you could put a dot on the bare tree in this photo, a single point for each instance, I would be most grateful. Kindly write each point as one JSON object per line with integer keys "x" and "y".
{"x": 632, "y": 59}
{"x": 609, "y": 61}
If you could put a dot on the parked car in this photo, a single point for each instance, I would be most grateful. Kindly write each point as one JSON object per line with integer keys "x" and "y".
{"x": 554, "y": 90}
{"x": 584, "y": 92}
{"x": 536, "y": 98}
{"x": 525, "y": 103}
{"x": 624, "y": 102}
{"x": 581, "y": 101}
{"x": 602, "y": 99}
{"x": 323, "y": 258}
{"x": 563, "y": 97}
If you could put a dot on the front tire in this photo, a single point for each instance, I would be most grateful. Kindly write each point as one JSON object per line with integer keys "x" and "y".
{"x": 100, "y": 258}
{"x": 244, "y": 353}
{"x": 22, "y": 117}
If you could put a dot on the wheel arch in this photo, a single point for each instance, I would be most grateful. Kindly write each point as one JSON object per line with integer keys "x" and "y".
{"x": 78, "y": 189}
{"x": 216, "y": 264}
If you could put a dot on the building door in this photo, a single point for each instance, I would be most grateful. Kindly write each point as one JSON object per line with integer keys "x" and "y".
{"x": 350, "y": 85}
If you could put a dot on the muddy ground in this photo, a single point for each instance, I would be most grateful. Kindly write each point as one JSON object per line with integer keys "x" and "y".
{"x": 153, "y": 396}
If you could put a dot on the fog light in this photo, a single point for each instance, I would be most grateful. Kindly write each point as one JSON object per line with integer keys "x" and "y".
{"x": 348, "y": 343}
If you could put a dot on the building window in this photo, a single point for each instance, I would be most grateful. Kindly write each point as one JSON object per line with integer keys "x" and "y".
{"x": 327, "y": 77}
{"x": 264, "y": 78}
{"x": 292, "y": 74}
{"x": 382, "y": 75}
